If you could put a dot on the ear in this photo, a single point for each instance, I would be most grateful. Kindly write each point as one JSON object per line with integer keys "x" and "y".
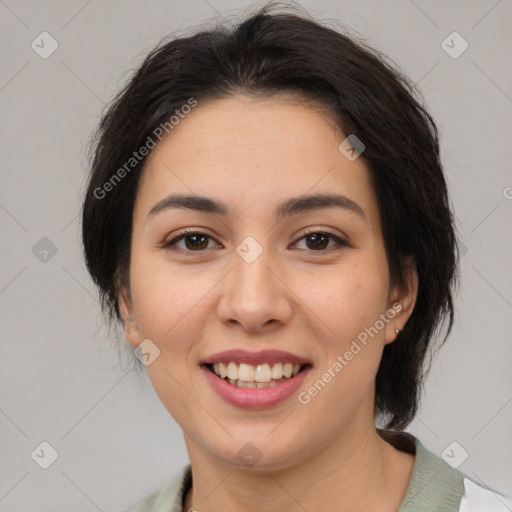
{"x": 402, "y": 300}
{"x": 131, "y": 332}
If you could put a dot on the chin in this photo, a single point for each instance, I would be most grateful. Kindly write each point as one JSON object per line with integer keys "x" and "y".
{"x": 261, "y": 450}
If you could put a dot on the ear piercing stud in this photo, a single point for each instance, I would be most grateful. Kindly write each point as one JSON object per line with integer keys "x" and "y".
{"x": 397, "y": 330}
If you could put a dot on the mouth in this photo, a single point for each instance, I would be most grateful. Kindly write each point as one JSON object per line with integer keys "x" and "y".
{"x": 255, "y": 380}
{"x": 257, "y": 376}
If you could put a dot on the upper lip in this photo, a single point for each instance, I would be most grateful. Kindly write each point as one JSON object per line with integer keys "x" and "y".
{"x": 260, "y": 357}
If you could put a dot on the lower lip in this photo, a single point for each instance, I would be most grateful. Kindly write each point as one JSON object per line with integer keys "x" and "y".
{"x": 254, "y": 398}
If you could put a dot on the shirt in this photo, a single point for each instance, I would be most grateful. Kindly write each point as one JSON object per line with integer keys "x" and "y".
{"x": 434, "y": 487}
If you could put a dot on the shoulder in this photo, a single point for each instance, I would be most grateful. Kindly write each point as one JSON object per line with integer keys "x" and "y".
{"x": 477, "y": 498}
{"x": 432, "y": 479}
{"x": 435, "y": 485}
{"x": 168, "y": 498}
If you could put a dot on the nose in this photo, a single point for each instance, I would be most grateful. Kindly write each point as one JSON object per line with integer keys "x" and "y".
{"x": 254, "y": 295}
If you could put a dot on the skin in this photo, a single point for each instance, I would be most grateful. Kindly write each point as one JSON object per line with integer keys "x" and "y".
{"x": 252, "y": 154}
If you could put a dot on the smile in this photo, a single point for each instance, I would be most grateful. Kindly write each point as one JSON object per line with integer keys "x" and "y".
{"x": 252, "y": 394}
{"x": 255, "y": 376}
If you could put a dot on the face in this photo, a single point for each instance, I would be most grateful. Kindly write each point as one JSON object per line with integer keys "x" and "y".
{"x": 255, "y": 276}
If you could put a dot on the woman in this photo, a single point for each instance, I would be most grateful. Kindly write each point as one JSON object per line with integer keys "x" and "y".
{"x": 268, "y": 217}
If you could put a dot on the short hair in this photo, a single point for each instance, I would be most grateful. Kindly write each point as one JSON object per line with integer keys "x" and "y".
{"x": 276, "y": 51}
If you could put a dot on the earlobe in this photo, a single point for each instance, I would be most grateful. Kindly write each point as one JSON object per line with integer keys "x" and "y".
{"x": 405, "y": 296}
{"x": 129, "y": 325}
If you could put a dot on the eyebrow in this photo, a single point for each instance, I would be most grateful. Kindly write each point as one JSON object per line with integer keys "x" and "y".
{"x": 295, "y": 205}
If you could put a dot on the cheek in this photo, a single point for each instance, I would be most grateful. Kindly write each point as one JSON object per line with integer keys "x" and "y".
{"x": 166, "y": 297}
{"x": 168, "y": 308}
{"x": 348, "y": 297}
{"x": 349, "y": 302}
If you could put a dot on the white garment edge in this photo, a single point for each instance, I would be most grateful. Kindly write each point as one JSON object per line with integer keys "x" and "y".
{"x": 479, "y": 499}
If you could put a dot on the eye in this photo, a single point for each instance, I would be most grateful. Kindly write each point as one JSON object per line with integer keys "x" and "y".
{"x": 196, "y": 241}
{"x": 319, "y": 241}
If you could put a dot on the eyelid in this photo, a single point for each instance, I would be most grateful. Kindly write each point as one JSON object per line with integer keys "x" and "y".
{"x": 168, "y": 243}
{"x": 327, "y": 231}
{"x": 339, "y": 239}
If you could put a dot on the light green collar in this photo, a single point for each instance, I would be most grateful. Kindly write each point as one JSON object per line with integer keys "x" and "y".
{"x": 434, "y": 486}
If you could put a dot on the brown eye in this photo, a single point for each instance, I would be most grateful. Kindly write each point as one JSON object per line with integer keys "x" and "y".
{"x": 318, "y": 241}
{"x": 194, "y": 241}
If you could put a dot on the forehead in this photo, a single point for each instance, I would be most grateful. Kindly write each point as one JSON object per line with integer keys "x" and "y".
{"x": 229, "y": 127}
{"x": 241, "y": 149}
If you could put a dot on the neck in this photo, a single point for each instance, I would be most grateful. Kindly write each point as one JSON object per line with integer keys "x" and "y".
{"x": 355, "y": 472}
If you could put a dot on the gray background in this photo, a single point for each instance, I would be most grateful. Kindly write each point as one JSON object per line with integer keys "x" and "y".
{"x": 60, "y": 378}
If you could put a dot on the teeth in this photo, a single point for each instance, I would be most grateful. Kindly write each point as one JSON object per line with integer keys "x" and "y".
{"x": 260, "y": 374}
{"x": 277, "y": 370}
{"x": 259, "y": 385}
{"x": 246, "y": 372}
{"x": 232, "y": 371}
{"x": 263, "y": 373}
{"x": 220, "y": 370}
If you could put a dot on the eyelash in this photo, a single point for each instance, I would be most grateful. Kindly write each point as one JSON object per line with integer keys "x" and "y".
{"x": 189, "y": 232}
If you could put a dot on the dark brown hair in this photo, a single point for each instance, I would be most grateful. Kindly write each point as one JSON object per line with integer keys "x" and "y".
{"x": 273, "y": 52}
